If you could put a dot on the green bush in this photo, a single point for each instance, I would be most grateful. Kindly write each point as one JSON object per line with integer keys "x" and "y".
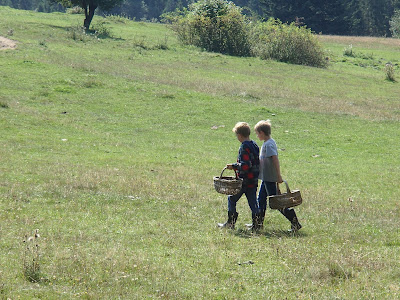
{"x": 395, "y": 24}
{"x": 100, "y": 30}
{"x": 287, "y": 43}
{"x": 348, "y": 51}
{"x": 220, "y": 26}
{"x": 215, "y": 25}
{"x": 76, "y": 10}
{"x": 389, "y": 71}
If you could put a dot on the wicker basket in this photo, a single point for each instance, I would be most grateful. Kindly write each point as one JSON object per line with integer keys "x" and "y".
{"x": 228, "y": 185}
{"x": 288, "y": 199}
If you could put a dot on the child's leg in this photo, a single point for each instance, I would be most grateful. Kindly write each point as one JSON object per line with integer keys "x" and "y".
{"x": 232, "y": 214}
{"x": 233, "y": 199}
{"x": 289, "y": 213}
{"x": 271, "y": 188}
{"x": 266, "y": 189}
{"x": 251, "y": 195}
{"x": 262, "y": 197}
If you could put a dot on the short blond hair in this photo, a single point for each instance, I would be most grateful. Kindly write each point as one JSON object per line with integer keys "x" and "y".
{"x": 242, "y": 128}
{"x": 263, "y": 126}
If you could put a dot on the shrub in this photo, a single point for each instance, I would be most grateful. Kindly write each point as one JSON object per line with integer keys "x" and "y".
{"x": 77, "y": 33}
{"x": 215, "y": 25}
{"x": 76, "y": 10}
{"x": 389, "y": 71}
{"x": 348, "y": 51}
{"x": 220, "y": 26}
{"x": 3, "y": 104}
{"x": 100, "y": 30}
{"x": 118, "y": 19}
{"x": 31, "y": 264}
{"x": 395, "y": 24}
{"x": 287, "y": 43}
{"x": 162, "y": 44}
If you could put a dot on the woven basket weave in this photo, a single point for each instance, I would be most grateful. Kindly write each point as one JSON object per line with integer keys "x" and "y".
{"x": 288, "y": 199}
{"x": 228, "y": 185}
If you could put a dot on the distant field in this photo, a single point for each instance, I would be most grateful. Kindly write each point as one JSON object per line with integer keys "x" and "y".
{"x": 109, "y": 146}
{"x": 366, "y": 41}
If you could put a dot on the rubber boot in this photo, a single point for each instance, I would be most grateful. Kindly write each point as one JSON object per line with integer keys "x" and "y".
{"x": 295, "y": 225}
{"x": 290, "y": 214}
{"x": 254, "y": 226}
{"x": 261, "y": 220}
{"x": 230, "y": 224}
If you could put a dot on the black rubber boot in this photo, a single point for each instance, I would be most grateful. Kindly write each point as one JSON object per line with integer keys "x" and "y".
{"x": 254, "y": 226}
{"x": 230, "y": 224}
{"x": 296, "y": 226}
{"x": 290, "y": 214}
{"x": 261, "y": 220}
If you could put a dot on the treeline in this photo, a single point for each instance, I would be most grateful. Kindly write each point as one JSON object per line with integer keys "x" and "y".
{"x": 37, "y": 5}
{"x": 340, "y": 17}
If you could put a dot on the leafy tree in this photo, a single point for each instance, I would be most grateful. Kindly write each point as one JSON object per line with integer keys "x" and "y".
{"x": 370, "y": 17}
{"x": 90, "y": 7}
{"x": 395, "y": 24}
{"x": 326, "y": 16}
{"x": 343, "y": 17}
{"x": 25, "y": 4}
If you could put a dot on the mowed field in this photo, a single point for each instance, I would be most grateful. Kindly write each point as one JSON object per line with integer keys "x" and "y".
{"x": 108, "y": 147}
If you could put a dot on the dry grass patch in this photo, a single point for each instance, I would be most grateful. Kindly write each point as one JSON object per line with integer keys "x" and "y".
{"x": 6, "y": 43}
{"x": 364, "y": 41}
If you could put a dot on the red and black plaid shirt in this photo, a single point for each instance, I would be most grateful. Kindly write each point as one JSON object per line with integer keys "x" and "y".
{"x": 248, "y": 163}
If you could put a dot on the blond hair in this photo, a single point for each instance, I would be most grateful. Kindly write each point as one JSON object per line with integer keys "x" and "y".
{"x": 263, "y": 126}
{"x": 242, "y": 128}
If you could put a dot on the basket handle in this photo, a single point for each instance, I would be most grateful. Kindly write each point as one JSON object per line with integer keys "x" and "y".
{"x": 287, "y": 187}
{"x": 233, "y": 171}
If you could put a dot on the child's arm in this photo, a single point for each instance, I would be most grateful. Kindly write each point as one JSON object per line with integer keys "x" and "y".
{"x": 244, "y": 161}
{"x": 275, "y": 161}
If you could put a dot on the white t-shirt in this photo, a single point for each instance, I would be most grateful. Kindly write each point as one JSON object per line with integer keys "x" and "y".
{"x": 267, "y": 168}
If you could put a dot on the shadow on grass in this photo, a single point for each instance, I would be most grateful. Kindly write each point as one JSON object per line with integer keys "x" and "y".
{"x": 99, "y": 31}
{"x": 103, "y": 33}
{"x": 268, "y": 233}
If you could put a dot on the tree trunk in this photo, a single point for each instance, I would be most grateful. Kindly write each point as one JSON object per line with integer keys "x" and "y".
{"x": 89, "y": 15}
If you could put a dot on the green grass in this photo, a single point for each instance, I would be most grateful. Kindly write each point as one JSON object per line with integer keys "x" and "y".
{"x": 108, "y": 148}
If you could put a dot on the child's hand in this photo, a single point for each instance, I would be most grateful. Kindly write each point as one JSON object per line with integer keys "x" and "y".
{"x": 280, "y": 180}
{"x": 229, "y": 166}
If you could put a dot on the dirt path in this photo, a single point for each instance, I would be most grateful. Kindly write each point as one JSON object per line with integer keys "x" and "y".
{"x": 7, "y": 43}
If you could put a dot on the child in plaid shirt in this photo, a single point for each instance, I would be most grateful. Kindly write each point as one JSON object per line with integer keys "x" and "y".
{"x": 247, "y": 168}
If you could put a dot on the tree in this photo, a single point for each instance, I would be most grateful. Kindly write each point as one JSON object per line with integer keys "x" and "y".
{"x": 326, "y": 16}
{"x": 343, "y": 17}
{"x": 370, "y": 17}
{"x": 395, "y": 24}
{"x": 90, "y": 7}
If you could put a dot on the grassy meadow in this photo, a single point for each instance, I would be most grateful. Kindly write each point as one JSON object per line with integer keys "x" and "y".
{"x": 108, "y": 147}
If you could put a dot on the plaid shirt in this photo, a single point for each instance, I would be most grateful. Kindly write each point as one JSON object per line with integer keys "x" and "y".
{"x": 248, "y": 164}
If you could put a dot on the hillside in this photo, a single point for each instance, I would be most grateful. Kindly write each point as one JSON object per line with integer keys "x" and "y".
{"x": 109, "y": 146}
